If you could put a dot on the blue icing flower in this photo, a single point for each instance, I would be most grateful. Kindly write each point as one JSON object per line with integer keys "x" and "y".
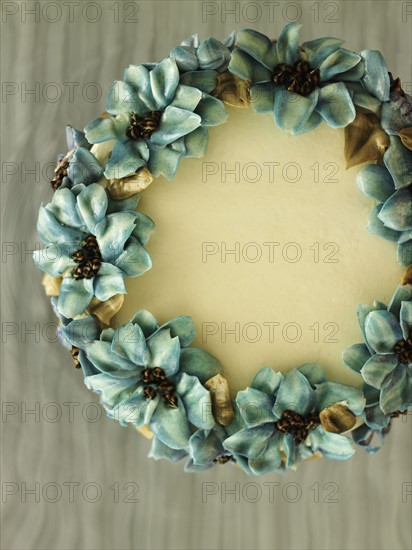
{"x": 281, "y": 414}
{"x": 92, "y": 243}
{"x": 385, "y": 359}
{"x": 155, "y": 121}
{"x": 79, "y": 165}
{"x": 199, "y": 63}
{"x": 301, "y": 87}
{"x": 148, "y": 375}
{"x": 390, "y": 185}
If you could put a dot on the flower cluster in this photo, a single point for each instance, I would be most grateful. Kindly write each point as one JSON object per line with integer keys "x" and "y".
{"x": 147, "y": 375}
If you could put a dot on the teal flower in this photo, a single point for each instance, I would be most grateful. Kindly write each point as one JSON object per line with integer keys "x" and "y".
{"x": 385, "y": 359}
{"x": 93, "y": 243}
{"x": 199, "y": 63}
{"x": 390, "y": 185}
{"x": 281, "y": 414}
{"x": 301, "y": 87}
{"x": 79, "y": 165}
{"x": 155, "y": 121}
{"x": 148, "y": 375}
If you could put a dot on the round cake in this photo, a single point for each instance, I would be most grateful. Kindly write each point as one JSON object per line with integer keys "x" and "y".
{"x": 229, "y": 251}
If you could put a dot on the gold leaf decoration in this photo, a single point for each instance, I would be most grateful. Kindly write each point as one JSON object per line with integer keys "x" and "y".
{"x": 126, "y": 187}
{"x": 232, "y": 90}
{"x": 365, "y": 140}
{"x": 105, "y": 311}
{"x": 406, "y": 137}
{"x": 221, "y": 402}
{"x": 407, "y": 276}
{"x": 146, "y": 431}
{"x": 51, "y": 284}
{"x": 337, "y": 419}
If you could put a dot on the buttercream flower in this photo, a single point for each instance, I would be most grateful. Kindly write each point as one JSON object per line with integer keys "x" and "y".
{"x": 91, "y": 245}
{"x": 149, "y": 375}
{"x": 79, "y": 165}
{"x": 155, "y": 121}
{"x": 301, "y": 86}
{"x": 281, "y": 414}
{"x": 390, "y": 185}
{"x": 199, "y": 62}
{"x": 385, "y": 359}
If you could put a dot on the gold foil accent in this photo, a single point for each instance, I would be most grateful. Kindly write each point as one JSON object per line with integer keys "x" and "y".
{"x": 105, "y": 311}
{"x": 337, "y": 419}
{"x": 364, "y": 140}
{"x": 51, "y": 284}
{"x": 146, "y": 431}
{"x": 232, "y": 90}
{"x": 221, "y": 402}
{"x": 406, "y": 137}
{"x": 126, "y": 187}
{"x": 407, "y": 276}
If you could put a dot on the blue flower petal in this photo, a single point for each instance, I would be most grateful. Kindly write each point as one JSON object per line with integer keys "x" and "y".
{"x": 255, "y": 407}
{"x": 250, "y": 442}
{"x": 171, "y": 426}
{"x": 92, "y": 204}
{"x": 81, "y": 332}
{"x": 394, "y": 119}
{"x": 164, "y": 352}
{"x": 376, "y": 77}
{"x": 104, "y": 129}
{"x": 204, "y": 447}
{"x": 375, "y": 182}
{"x": 338, "y": 62}
{"x": 396, "y": 393}
{"x": 378, "y": 368}
{"x": 404, "y": 253}
{"x": 185, "y": 57}
{"x": 183, "y": 327}
{"x": 396, "y": 213}
{"x": 134, "y": 260}
{"x": 174, "y": 124}
{"x": 74, "y": 296}
{"x": 204, "y": 81}
{"x": 245, "y": 67}
{"x": 54, "y": 259}
{"x": 403, "y": 293}
{"x": 262, "y": 97}
{"x": 107, "y": 360}
{"x": 113, "y": 390}
{"x": 108, "y": 282}
{"x": 313, "y": 372}
{"x": 398, "y": 160}
{"x": 196, "y": 142}
{"x": 212, "y": 111}
{"x": 382, "y": 331}
{"x": 212, "y": 54}
{"x": 321, "y": 48}
{"x": 164, "y": 79}
{"x": 63, "y": 208}
{"x": 159, "y": 450}
{"x": 138, "y": 76}
{"x": 258, "y": 46}
{"x": 122, "y": 99}
{"x": 270, "y": 460}
{"x": 126, "y": 159}
{"x": 112, "y": 233}
{"x": 362, "y": 98}
{"x": 198, "y": 362}
{"x": 164, "y": 161}
{"x": 84, "y": 167}
{"x": 146, "y": 322}
{"x": 287, "y": 45}
{"x": 335, "y": 105}
{"x": 267, "y": 381}
{"x": 375, "y": 418}
{"x": 377, "y": 227}
{"x": 406, "y": 319}
{"x": 292, "y": 111}
{"x": 186, "y": 97}
{"x": 137, "y": 410}
{"x": 197, "y": 401}
{"x": 331, "y": 445}
{"x": 355, "y": 357}
{"x": 294, "y": 394}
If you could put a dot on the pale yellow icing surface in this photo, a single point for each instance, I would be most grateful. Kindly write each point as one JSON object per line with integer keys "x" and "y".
{"x": 275, "y": 311}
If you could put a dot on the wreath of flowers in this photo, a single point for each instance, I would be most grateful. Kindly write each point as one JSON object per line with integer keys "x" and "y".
{"x": 149, "y": 375}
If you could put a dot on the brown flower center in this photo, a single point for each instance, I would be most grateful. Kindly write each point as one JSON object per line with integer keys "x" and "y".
{"x": 88, "y": 257}
{"x": 403, "y": 350}
{"x": 143, "y": 126}
{"x": 300, "y": 78}
{"x": 224, "y": 459}
{"x": 293, "y": 423}
{"x": 156, "y": 381}
{"x": 60, "y": 172}
{"x": 75, "y": 355}
{"x": 395, "y": 85}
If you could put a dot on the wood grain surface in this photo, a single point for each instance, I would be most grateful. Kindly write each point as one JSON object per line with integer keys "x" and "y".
{"x": 93, "y": 486}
